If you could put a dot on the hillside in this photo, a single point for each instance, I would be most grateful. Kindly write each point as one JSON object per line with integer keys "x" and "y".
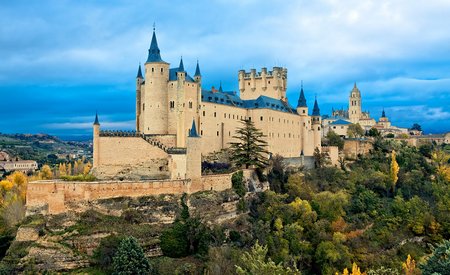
{"x": 43, "y": 148}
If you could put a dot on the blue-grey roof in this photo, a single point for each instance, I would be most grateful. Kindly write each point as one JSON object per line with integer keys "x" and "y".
{"x": 154, "y": 54}
{"x": 139, "y": 74}
{"x": 383, "y": 114}
{"x": 301, "y": 100}
{"x": 340, "y": 122}
{"x": 232, "y": 99}
{"x": 193, "y": 130}
{"x": 181, "y": 67}
{"x": 197, "y": 70}
{"x": 173, "y": 75}
{"x": 316, "y": 110}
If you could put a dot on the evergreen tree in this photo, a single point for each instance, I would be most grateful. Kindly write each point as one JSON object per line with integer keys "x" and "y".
{"x": 439, "y": 261}
{"x": 130, "y": 258}
{"x": 250, "y": 150}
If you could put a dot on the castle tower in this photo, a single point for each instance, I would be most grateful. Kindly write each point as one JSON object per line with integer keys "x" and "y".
{"x": 193, "y": 154}
{"x": 180, "y": 102}
{"x": 96, "y": 142}
{"x": 139, "y": 81}
{"x": 316, "y": 125}
{"x": 354, "y": 105}
{"x": 302, "y": 107}
{"x": 197, "y": 75}
{"x": 154, "y": 103}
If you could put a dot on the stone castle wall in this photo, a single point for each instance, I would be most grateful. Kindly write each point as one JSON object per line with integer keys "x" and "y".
{"x": 51, "y": 197}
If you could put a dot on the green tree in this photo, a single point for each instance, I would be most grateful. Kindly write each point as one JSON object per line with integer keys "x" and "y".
{"x": 237, "y": 181}
{"x": 104, "y": 253}
{"x": 320, "y": 158}
{"x": 335, "y": 140}
{"x": 355, "y": 131}
{"x": 373, "y": 132}
{"x": 130, "y": 258}
{"x": 255, "y": 262}
{"x": 416, "y": 127}
{"x": 250, "y": 150}
{"x": 439, "y": 261}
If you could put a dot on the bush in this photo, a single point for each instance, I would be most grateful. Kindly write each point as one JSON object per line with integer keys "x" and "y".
{"x": 439, "y": 261}
{"x": 130, "y": 258}
{"x": 237, "y": 180}
{"x": 174, "y": 242}
{"x": 87, "y": 177}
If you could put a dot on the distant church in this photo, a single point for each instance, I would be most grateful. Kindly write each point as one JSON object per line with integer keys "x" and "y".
{"x": 175, "y": 113}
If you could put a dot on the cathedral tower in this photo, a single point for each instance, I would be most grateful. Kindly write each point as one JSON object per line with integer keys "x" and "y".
{"x": 154, "y": 100}
{"x": 354, "y": 105}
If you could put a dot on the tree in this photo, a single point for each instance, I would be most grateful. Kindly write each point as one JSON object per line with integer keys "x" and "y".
{"x": 46, "y": 173}
{"x": 250, "y": 150}
{"x": 320, "y": 158}
{"x": 394, "y": 170}
{"x": 355, "y": 131}
{"x": 335, "y": 140}
{"x": 416, "y": 127}
{"x": 439, "y": 261}
{"x": 130, "y": 258}
{"x": 255, "y": 262}
{"x": 373, "y": 132}
{"x": 409, "y": 266}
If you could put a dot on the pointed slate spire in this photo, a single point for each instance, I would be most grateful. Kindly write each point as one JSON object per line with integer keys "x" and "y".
{"x": 220, "y": 87}
{"x": 316, "y": 110}
{"x": 197, "y": 70}
{"x": 383, "y": 114}
{"x": 96, "y": 119}
{"x": 181, "y": 67}
{"x": 154, "y": 54}
{"x": 139, "y": 74}
{"x": 193, "y": 131}
{"x": 302, "y": 99}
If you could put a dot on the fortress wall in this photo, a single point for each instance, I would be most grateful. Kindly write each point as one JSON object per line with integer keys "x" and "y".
{"x": 127, "y": 151}
{"x": 354, "y": 147}
{"x": 168, "y": 140}
{"x": 51, "y": 197}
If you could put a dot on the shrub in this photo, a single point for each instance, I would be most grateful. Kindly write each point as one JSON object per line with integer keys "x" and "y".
{"x": 237, "y": 180}
{"x": 130, "y": 258}
{"x": 174, "y": 242}
{"x": 104, "y": 253}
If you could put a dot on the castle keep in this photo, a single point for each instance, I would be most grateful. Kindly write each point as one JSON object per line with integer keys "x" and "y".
{"x": 178, "y": 121}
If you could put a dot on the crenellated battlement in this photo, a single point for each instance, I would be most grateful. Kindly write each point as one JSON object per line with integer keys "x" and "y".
{"x": 264, "y": 83}
{"x": 264, "y": 73}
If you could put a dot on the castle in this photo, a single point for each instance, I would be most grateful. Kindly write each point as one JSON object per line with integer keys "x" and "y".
{"x": 178, "y": 121}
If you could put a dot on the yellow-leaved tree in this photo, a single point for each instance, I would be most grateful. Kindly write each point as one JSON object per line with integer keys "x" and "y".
{"x": 12, "y": 200}
{"x": 409, "y": 267}
{"x": 46, "y": 172}
{"x": 355, "y": 271}
{"x": 394, "y": 170}
{"x": 440, "y": 159}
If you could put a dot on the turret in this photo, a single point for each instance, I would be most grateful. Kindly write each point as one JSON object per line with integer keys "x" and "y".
{"x": 252, "y": 79}
{"x": 139, "y": 81}
{"x": 264, "y": 79}
{"x": 154, "y": 104}
{"x": 95, "y": 141}
{"x": 316, "y": 125}
{"x": 302, "y": 107}
{"x": 193, "y": 155}
{"x": 241, "y": 80}
{"x": 181, "y": 73}
{"x": 197, "y": 75}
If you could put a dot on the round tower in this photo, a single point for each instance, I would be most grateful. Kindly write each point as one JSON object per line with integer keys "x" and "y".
{"x": 139, "y": 81}
{"x": 96, "y": 142}
{"x": 302, "y": 107}
{"x": 316, "y": 125}
{"x": 155, "y": 105}
{"x": 354, "y": 105}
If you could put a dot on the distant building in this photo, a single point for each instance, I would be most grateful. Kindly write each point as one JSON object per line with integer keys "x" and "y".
{"x": 7, "y": 165}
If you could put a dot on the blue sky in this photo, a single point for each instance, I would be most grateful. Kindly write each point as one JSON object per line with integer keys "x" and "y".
{"x": 61, "y": 60}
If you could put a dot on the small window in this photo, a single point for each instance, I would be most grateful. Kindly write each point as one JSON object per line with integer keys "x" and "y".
{"x": 261, "y": 118}
{"x": 162, "y": 70}
{"x": 201, "y": 132}
{"x": 304, "y": 111}
{"x": 143, "y": 107}
{"x": 269, "y": 81}
{"x": 190, "y": 105}
{"x": 217, "y": 133}
{"x": 153, "y": 70}
{"x": 214, "y": 114}
{"x": 203, "y": 113}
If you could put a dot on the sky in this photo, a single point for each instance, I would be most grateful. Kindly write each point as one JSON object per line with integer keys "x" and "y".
{"x": 61, "y": 61}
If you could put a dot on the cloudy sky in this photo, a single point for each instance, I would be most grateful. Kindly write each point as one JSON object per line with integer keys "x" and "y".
{"x": 62, "y": 60}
